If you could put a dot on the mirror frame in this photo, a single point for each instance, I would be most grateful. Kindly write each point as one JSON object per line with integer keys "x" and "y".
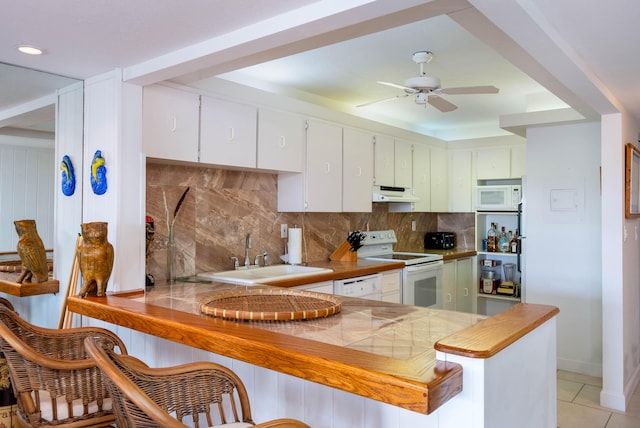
{"x": 632, "y": 182}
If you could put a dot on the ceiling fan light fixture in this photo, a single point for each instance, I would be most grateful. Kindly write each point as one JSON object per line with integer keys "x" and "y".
{"x": 421, "y": 98}
{"x": 30, "y": 50}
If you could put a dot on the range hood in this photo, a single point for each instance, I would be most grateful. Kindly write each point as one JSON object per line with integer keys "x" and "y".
{"x": 393, "y": 194}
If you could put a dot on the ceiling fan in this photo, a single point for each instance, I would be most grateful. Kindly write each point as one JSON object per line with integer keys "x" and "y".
{"x": 427, "y": 90}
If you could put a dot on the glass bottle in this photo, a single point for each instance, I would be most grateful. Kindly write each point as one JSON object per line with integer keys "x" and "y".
{"x": 514, "y": 243}
{"x": 503, "y": 242}
{"x": 492, "y": 238}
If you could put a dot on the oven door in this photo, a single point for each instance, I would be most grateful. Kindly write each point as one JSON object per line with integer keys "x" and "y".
{"x": 422, "y": 285}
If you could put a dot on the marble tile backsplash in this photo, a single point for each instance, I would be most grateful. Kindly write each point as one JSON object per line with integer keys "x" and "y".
{"x": 223, "y": 206}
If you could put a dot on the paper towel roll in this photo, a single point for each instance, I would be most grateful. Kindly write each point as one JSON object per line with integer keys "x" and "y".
{"x": 295, "y": 245}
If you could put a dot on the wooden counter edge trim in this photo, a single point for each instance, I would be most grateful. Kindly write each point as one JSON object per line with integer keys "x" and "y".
{"x": 409, "y": 394}
{"x": 490, "y": 336}
{"x": 29, "y": 288}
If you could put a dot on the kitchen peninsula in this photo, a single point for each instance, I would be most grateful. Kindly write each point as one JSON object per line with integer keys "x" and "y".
{"x": 439, "y": 368}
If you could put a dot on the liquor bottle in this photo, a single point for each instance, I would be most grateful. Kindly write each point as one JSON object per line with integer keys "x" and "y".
{"x": 503, "y": 243}
{"x": 492, "y": 244}
{"x": 514, "y": 243}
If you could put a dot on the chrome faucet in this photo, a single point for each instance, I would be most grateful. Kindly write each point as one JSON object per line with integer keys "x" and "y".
{"x": 236, "y": 264}
{"x": 247, "y": 247}
{"x": 265, "y": 259}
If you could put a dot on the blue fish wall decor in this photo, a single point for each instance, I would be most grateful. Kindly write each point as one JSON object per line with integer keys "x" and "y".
{"x": 98, "y": 174}
{"x": 68, "y": 176}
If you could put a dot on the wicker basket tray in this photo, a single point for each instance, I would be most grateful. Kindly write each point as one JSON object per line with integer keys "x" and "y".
{"x": 270, "y": 304}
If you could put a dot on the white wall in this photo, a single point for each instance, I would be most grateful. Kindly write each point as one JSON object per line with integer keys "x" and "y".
{"x": 563, "y": 246}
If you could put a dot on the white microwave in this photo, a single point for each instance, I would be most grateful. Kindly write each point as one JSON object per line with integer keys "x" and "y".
{"x": 498, "y": 197}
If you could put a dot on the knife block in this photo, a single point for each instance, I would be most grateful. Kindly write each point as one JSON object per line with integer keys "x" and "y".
{"x": 343, "y": 253}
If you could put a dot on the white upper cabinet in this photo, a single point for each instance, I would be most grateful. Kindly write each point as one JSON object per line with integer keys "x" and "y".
{"x": 357, "y": 170}
{"x": 493, "y": 163}
{"x": 228, "y": 133}
{"x": 422, "y": 177}
{"x": 393, "y": 162}
{"x": 324, "y": 167}
{"x": 439, "y": 180}
{"x": 170, "y": 120}
{"x": 460, "y": 194}
{"x": 319, "y": 187}
{"x": 403, "y": 151}
{"x": 384, "y": 165}
{"x": 280, "y": 141}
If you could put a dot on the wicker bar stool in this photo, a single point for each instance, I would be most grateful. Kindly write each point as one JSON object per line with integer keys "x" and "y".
{"x": 54, "y": 381}
{"x": 152, "y": 397}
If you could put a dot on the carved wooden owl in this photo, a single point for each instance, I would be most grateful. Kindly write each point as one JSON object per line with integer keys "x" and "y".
{"x": 31, "y": 251}
{"x": 95, "y": 257}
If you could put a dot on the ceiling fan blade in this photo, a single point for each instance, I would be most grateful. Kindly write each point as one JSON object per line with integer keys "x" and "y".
{"x": 469, "y": 90}
{"x": 441, "y": 104}
{"x": 382, "y": 101}
{"x": 407, "y": 89}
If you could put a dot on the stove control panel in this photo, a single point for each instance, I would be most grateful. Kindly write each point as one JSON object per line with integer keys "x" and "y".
{"x": 377, "y": 237}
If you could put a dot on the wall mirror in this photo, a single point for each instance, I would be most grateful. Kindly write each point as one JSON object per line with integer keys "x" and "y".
{"x": 632, "y": 181}
{"x": 27, "y": 143}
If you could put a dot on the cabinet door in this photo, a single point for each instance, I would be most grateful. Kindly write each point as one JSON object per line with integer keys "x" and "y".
{"x": 357, "y": 170}
{"x": 422, "y": 177}
{"x": 518, "y": 161}
{"x": 170, "y": 119}
{"x": 461, "y": 181}
{"x": 280, "y": 141}
{"x": 449, "y": 285}
{"x": 403, "y": 163}
{"x": 228, "y": 133}
{"x": 391, "y": 286}
{"x": 324, "y": 167}
{"x": 465, "y": 284}
{"x": 318, "y": 287}
{"x": 493, "y": 163}
{"x": 439, "y": 180}
{"x": 384, "y": 166}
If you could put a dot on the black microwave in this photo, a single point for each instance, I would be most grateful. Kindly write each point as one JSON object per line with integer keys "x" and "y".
{"x": 439, "y": 240}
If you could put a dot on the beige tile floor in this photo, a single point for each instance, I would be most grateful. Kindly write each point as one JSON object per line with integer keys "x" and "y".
{"x": 578, "y": 404}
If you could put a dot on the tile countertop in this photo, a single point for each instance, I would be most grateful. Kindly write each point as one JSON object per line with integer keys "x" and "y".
{"x": 379, "y": 350}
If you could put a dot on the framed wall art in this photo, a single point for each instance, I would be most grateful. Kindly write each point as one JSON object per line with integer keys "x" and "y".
{"x": 632, "y": 182}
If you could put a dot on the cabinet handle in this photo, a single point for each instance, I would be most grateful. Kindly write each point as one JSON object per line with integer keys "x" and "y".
{"x": 327, "y": 167}
{"x": 283, "y": 141}
{"x": 466, "y": 292}
{"x": 359, "y": 173}
{"x": 449, "y": 297}
{"x": 174, "y": 124}
{"x": 232, "y": 133}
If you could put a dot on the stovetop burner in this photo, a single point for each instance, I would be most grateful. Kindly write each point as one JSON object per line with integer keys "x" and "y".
{"x": 378, "y": 245}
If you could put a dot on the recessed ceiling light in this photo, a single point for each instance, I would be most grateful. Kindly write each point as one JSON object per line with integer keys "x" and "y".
{"x": 30, "y": 50}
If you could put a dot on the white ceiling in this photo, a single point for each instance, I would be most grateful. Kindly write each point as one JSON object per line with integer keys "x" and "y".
{"x": 84, "y": 39}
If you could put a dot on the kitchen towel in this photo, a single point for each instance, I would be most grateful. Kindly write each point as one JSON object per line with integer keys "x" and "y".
{"x": 295, "y": 245}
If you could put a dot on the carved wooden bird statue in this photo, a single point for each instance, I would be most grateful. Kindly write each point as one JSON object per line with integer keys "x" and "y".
{"x": 96, "y": 258}
{"x": 31, "y": 251}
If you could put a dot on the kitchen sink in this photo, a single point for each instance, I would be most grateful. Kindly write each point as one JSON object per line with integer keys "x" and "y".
{"x": 259, "y": 275}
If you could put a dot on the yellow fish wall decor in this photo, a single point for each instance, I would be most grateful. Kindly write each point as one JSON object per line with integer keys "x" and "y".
{"x": 98, "y": 174}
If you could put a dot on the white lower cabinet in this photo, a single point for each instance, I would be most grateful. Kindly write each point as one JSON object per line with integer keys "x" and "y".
{"x": 318, "y": 287}
{"x": 391, "y": 286}
{"x": 458, "y": 285}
